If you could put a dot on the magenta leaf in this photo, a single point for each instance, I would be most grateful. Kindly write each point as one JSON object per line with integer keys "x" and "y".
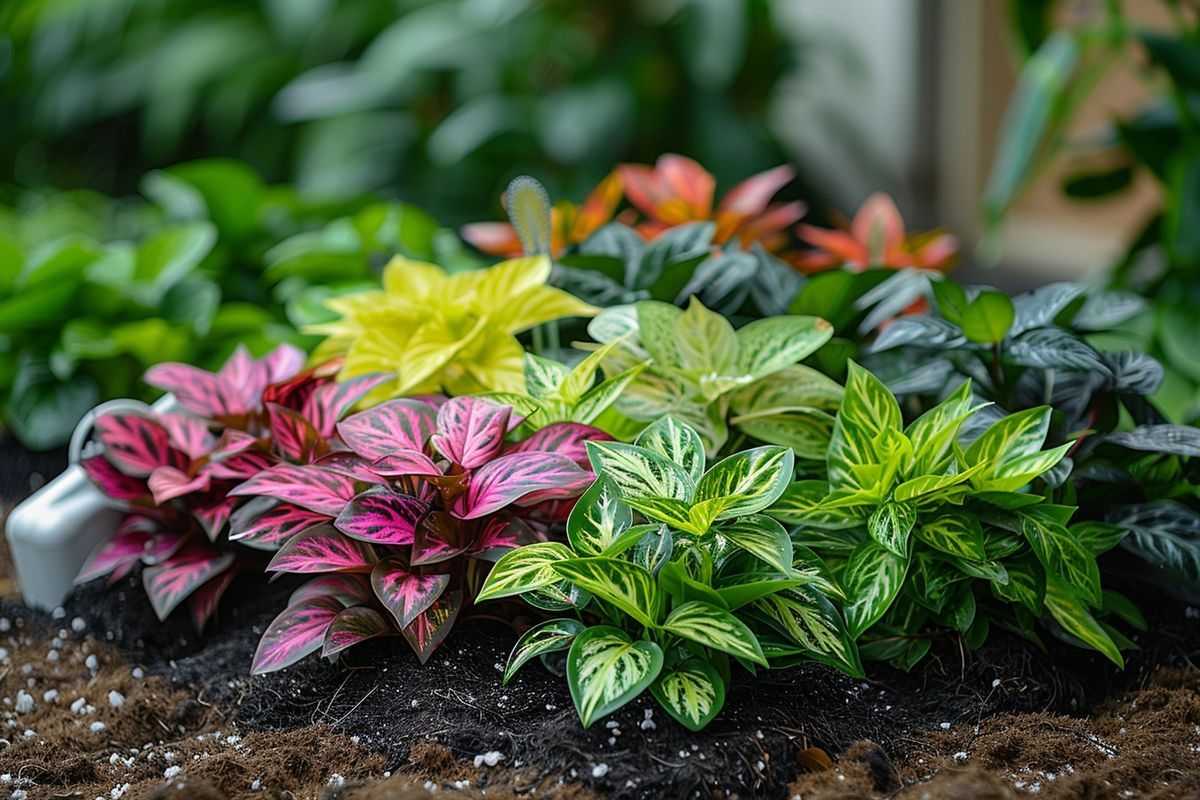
{"x": 125, "y": 547}
{"x": 137, "y": 445}
{"x": 213, "y": 517}
{"x": 381, "y": 516}
{"x": 344, "y": 462}
{"x": 405, "y": 592}
{"x": 534, "y": 477}
{"x": 406, "y": 462}
{"x": 112, "y": 482}
{"x": 242, "y": 376}
{"x": 323, "y": 549}
{"x": 328, "y": 403}
{"x": 297, "y": 631}
{"x": 282, "y": 363}
{"x": 232, "y": 442}
{"x": 438, "y": 537}
{"x": 161, "y": 546}
{"x": 239, "y": 466}
{"x": 354, "y": 625}
{"x": 388, "y": 427}
{"x": 167, "y": 483}
{"x": 433, "y": 625}
{"x": 503, "y": 532}
{"x": 170, "y": 582}
{"x": 198, "y": 391}
{"x": 564, "y": 438}
{"x": 265, "y": 523}
{"x": 470, "y": 430}
{"x": 294, "y": 436}
{"x": 348, "y": 588}
{"x": 306, "y": 486}
{"x": 203, "y": 602}
{"x": 187, "y": 434}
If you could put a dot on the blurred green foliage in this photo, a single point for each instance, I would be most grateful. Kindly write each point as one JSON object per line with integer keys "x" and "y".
{"x": 95, "y": 290}
{"x": 443, "y": 100}
{"x": 1063, "y": 65}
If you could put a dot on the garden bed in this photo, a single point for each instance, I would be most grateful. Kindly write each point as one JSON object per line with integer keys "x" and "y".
{"x": 1006, "y": 719}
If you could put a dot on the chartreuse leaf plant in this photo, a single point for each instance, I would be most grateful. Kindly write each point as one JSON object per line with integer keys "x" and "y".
{"x": 923, "y": 532}
{"x": 705, "y": 373}
{"x": 673, "y": 574}
{"x": 439, "y": 332}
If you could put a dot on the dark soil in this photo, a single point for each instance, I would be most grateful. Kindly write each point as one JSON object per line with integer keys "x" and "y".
{"x": 26, "y": 471}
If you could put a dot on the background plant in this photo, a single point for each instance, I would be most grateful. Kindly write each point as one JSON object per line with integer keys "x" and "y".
{"x": 402, "y": 524}
{"x": 702, "y": 371}
{"x": 1161, "y": 139}
{"x": 95, "y": 290}
{"x": 669, "y": 604}
{"x": 926, "y": 531}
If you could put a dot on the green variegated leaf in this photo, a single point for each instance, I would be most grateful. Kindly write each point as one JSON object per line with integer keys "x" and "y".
{"x": 1097, "y": 537}
{"x": 666, "y": 510}
{"x": 933, "y": 433}
{"x": 557, "y": 597}
{"x": 811, "y": 622}
{"x": 1071, "y": 612}
{"x": 639, "y": 473}
{"x": 806, "y": 431}
{"x": 929, "y": 488}
{"x": 801, "y": 504}
{"x": 597, "y": 400}
{"x": 676, "y": 442}
{"x": 1026, "y": 584}
{"x": 706, "y": 341}
{"x": 1010, "y": 437}
{"x": 956, "y": 533}
{"x": 524, "y": 569}
{"x": 1060, "y": 553}
{"x": 598, "y": 519}
{"x": 755, "y": 477}
{"x": 715, "y": 627}
{"x": 543, "y": 376}
{"x": 763, "y": 538}
{"x": 627, "y": 586}
{"x": 890, "y": 525}
{"x": 770, "y": 344}
{"x": 691, "y": 691}
{"x": 872, "y": 578}
{"x": 868, "y": 409}
{"x": 606, "y": 669}
{"x": 657, "y": 326}
{"x": 675, "y": 579}
{"x": 575, "y": 384}
{"x": 795, "y": 386}
{"x": 550, "y": 636}
{"x": 653, "y": 548}
{"x": 742, "y": 588}
{"x": 1014, "y": 473}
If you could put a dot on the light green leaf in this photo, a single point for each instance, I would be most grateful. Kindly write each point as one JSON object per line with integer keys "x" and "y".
{"x": 715, "y": 627}
{"x": 639, "y": 473}
{"x": 669, "y": 511}
{"x": 1011, "y": 437}
{"x": 755, "y": 477}
{"x": 1070, "y": 610}
{"x": 768, "y": 345}
{"x": 1017, "y": 472}
{"x": 868, "y": 409}
{"x": 543, "y": 376}
{"x": 677, "y": 442}
{"x": 809, "y": 620}
{"x": 705, "y": 340}
{"x": 597, "y": 400}
{"x": 550, "y": 636}
{"x": 872, "y": 579}
{"x": 606, "y": 669}
{"x": 692, "y": 692}
{"x": 598, "y": 519}
{"x": 987, "y": 319}
{"x": 1026, "y": 584}
{"x": 576, "y": 383}
{"x": 801, "y": 504}
{"x": 657, "y": 324}
{"x": 627, "y": 586}
{"x": 891, "y": 524}
{"x": 524, "y": 569}
{"x": 955, "y": 533}
{"x": 762, "y": 537}
{"x": 1060, "y": 553}
{"x": 933, "y": 433}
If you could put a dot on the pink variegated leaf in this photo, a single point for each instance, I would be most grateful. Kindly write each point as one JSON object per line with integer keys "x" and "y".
{"x": 213, "y": 517}
{"x": 433, "y": 625}
{"x": 295, "y": 438}
{"x": 306, "y": 486}
{"x": 503, "y": 532}
{"x": 297, "y": 631}
{"x": 169, "y": 583}
{"x": 161, "y": 546}
{"x": 348, "y": 588}
{"x": 240, "y": 466}
{"x": 167, "y": 483}
{"x": 323, "y": 549}
{"x": 198, "y": 391}
{"x": 470, "y": 430}
{"x": 136, "y": 445}
{"x": 282, "y": 363}
{"x": 203, "y": 602}
{"x": 520, "y": 476}
{"x": 381, "y": 516}
{"x": 265, "y": 523}
{"x": 112, "y": 482}
{"x": 564, "y": 438}
{"x": 243, "y": 375}
{"x": 232, "y": 442}
{"x": 439, "y": 537}
{"x": 344, "y": 462}
{"x": 388, "y": 427}
{"x": 124, "y": 548}
{"x": 354, "y": 625}
{"x": 328, "y": 403}
{"x": 187, "y": 434}
{"x": 406, "y": 462}
{"x": 404, "y": 591}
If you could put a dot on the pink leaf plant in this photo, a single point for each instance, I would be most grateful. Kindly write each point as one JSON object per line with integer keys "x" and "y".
{"x": 397, "y": 530}
{"x": 176, "y": 472}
